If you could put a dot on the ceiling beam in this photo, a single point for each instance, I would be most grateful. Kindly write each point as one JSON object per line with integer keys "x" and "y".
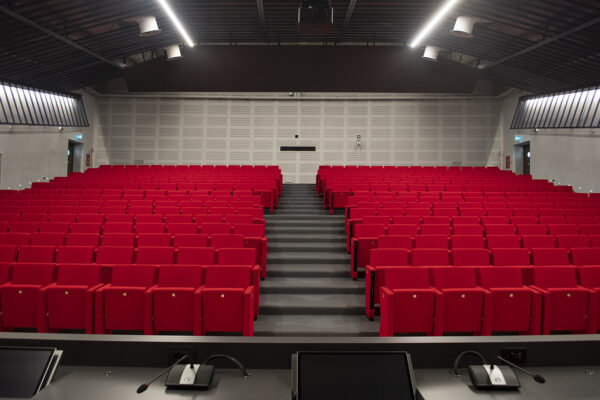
{"x": 545, "y": 42}
{"x": 261, "y": 13}
{"x": 349, "y": 12}
{"x": 55, "y": 35}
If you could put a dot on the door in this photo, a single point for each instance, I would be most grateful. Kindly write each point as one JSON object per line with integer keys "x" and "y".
{"x": 70, "y": 156}
{"x": 526, "y": 159}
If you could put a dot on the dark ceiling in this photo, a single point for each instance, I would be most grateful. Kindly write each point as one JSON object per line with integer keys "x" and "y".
{"x": 564, "y": 35}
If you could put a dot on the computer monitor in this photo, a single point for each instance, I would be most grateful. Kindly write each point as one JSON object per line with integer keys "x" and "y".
{"x": 26, "y": 370}
{"x": 354, "y": 375}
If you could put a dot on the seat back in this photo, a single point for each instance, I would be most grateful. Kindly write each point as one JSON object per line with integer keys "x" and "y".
{"x": 406, "y": 278}
{"x": 226, "y": 240}
{"x": 555, "y": 277}
{"x": 114, "y": 255}
{"x": 454, "y": 278}
{"x": 133, "y": 275}
{"x": 229, "y": 256}
{"x": 231, "y": 276}
{"x": 155, "y": 255}
{"x": 430, "y": 257}
{"x": 557, "y": 256}
{"x": 380, "y": 257}
{"x": 461, "y": 257}
{"x": 33, "y": 274}
{"x": 509, "y": 257}
{"x": 196, "y": 255}
{"x": 86, "y": 275}
{"x": 585, "y": 256}
{"x": 37, "y": 254}
{"x": 500, "y": 277}
{"x": 75, "y": 254}
{"x": 180, "y": 276}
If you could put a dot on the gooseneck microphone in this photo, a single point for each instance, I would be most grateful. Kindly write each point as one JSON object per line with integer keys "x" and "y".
{"x": 144, "y": 386}
{"x": 536, "y": 377}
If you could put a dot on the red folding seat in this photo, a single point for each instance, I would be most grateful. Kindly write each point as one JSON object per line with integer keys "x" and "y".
{"x": 236, "y": 256}
{"x": 209, "y": 228}
{"x": 377, "y": 219}
{"x": 153, "y": 239}
{"x": 467, "y": 242}
{"x": 495, "y": 220}
{"x": 551, "y": 220}
{"x": 172, "y": 306}
{"x": 112, "y": 218}
{"x": 70, "y": 301}
{"x": 468, "y": 229}
{"x": 239, "y": 219}
{"x": 117, "y": 227}
{"x": 471, "y": 211}
{"x": 531, "y": 229}
{"x": 524, "y": 220}
{"x": 587, "y": 229}
{"x": 515, "y": 307}
{"x": 566, "y": 306}
{"x": 409, "y": 304}
{"x": 572, "y": 241}
{"x": 551, "y": 212}
{"x": 256, "y": 212}
{"x": 563, "y": 229}
{"x": 437, "y": 220}
{"x": 445, "y": 211}
{"x": 47, "y": 238}
{"x": 585, "y": 256}
{"x": 36, "y": 254}
{"x": 538, "y": 241}
{"x": 219, "y": 241}
{"x": 511, "y": 257}
{"x": 17, "y": 238}
{"x": 470, "y": 257}
{"x": 196, "y": 255}
{"x": 435, "y": 229}
{"x": 431, "y": 242}
{"x": 37, "y": 218}
{"x": 580, "y": 221}
{"x": 148, "y": 219}
{"x": 499, "y": 212}
{"x": 9, "y": 217}
{"x": 558, "y": 256}
{"x": 503, "y": 241}
{"x": 180, "y": 228}
{"x": 119, "y": 306}
{"x": 213, "y": 219}
{"x": 364, "y": 239}
{"x": 406, "y": 220}
{"x": 162, "y": 210}
{"x": 23, "y": 298}
{"x": 8, "y": 254}
{"x": 113, "y": 209}
{"x": 84, "y": 227}
{"x": 589, "y": 277}
{"x": 155, "y": 255}
{"x": 249, "y": 230}
{"x": 23, "y": 227}
{"x": 134, "y": 210}
{"x": 61, "y": 227}
{"x": 114, "y": 254}
{"x": 118, "y": 239}
{"x": 499, "y": 229}
{"x": 467, "y": 307}
{"x": 226, "y": 301}
{"x": 430, "y": 257}
{"x": 179, "y": 218}
{"x": 90, "y": 218}
{"x": 419, "y": 212}
{"x": 373, "y": 277}
{"x": 82, "y": 239}
{"x": 75, "y": 254}
{"x": 149, "y": 228}
{"x": 595, "y": 240}
{"x": 395, "y": 242}
{"x": 190, "y": 240}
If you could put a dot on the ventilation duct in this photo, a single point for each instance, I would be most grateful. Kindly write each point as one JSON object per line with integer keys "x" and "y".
{"x": 173, "y": 52}
{"x": 431, "y": 53}
{"x": 148, "y": 25}
{"x": 463, "y": 27}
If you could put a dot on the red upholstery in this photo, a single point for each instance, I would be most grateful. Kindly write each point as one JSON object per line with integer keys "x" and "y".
{"x": 37, "y": 254}
{"x": 18, "y": 238}
{"x": 531, "y": 229}
{"x": 571, "y": 241}
{"x": 395, "y": 242}
{"x": 82, "y": 239}
{"x": 114, "y": 255}
{"x": 408, "y": 303}
{"x": 373, "y": 277}
{"x": 190, "y": 240}
{"x": 557, "y": 256}
{"x": 510, "y": 257}
{"x": 468, "y": 229}
{"x": 182, "y": 228}
{"x": 538, "y": 241}
{"x": 363, "y": 240}
{"x": 563, "y": 229}
{"x": 47, "y": 238}
{"x": 430, "y": 257}
{"x": 118, "y": 239}
{"x": 589, "y": 277}
{"x": 196, "y": 255}
{"x": 153, "y": 239}
{"x": 585, "y": 256}
{"x": 226, "y": 240}
{"x": 75, "y": 254}
{"x": 473, "y": 257}
{"x": 86, "y": 227}
{"x": 61, "y": 227}
{"x": 149, "y": 228}
{"x": 499, "y": 229}
{"x": 431, "y": 242}
{"x": 467, "y": 242}
{"x": 209, "y": 228}
{"x": 8, "y": 253}
{"x": 503, "y": 241}
{"x": 155, "y": 255}
{"x": 117, "y": 227}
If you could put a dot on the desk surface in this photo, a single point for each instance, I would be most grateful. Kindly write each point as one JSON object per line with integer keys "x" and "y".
{"x": 120, "y": 383}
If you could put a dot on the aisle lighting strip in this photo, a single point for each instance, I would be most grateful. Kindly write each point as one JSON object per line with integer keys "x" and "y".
{"x": 442, "y": 12}
{"x": 176, "y": 22}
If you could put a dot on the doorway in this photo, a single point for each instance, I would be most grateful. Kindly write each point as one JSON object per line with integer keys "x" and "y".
{"x": 526, "y": 159}
{"x": 522, "y": 158}
{"x": 74, "y": 156}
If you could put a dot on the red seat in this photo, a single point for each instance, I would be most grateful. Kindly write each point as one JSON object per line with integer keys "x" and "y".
{"x": 75, "y": 254}
{"x": 430, "y": 257}
{"x": 467, "y": 306}
{"x": 153, "y": 239}
{"x": 70, "y": 301}
{"x": 395, "y": 242}
{"x": 467, "y": 242}
{"x": 8, "y": 253}
{"x": 179, "y": 219}
{"x": 364, "y": 239}
{"x": 557, "y": 256}
{"x": 60, "y": 227}
{"x": 190, "y": 240}
{"x": 566, "y": 306}
{"x": 114, "y": 255}
{"x": 173, "y": 305}
{"x": 118, "y": 239}
{"x": 209, "y": 228}
{"x": 503, "y": 242}
{"x": 435, "y": 229}
{"x": 23, "y": 227}
{"x": 589, "y": 277}
{"x": 82, "y": 239}
{"x": 431, "y": 242}
{"x": 563, "y": 229}
{"x": 36, "y": 254}
{"x": 585, "y": 256}
{"x": 571, "y": 241}
{"x": 23, "y": 298}
{"x": 47, "y": 238}
{"x": 373, "y": 278}
{"x": 91, "y": 218}
{"x": 226, "y": 301}
{"x": 403, "y": 229}
{"x": 226, "y": 240}
{"x": 468, "y": 229}
{"x": 148, "y": 219}
{"x": 85, "y": 227}
{"x": 120, "y": 304}
{"x": 15, "y": 238}
{"x": 254, "y": 238}
{"x": 117, "y": 227}
{"x": 515, "y": 307}
{"x": 182, "y": 228}
{"x": 472, "y": 257}
{"x": 466, "y": 220}
{"x": 585, "y": 229}
{"x": 409, "y": 304}
{"x": 538, "y": 241}
{"x": 531, "y": 229}
{"x": 499, "y": 229}
{"x": 150, "y": 228}
{"x": 155, "y": 255}
{"x": 196, "y": 255}
{"x": 510, "y": 257}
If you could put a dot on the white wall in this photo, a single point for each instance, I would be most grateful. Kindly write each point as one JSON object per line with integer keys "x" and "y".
{"x": 196, "y": 130}
{"x": 32, "y": 153}
{"x": 568, "y": 156}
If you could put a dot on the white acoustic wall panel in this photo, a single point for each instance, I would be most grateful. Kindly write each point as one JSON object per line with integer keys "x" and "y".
{"x": 201, "y": 131}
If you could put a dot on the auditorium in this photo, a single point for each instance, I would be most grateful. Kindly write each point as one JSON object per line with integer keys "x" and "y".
{"x": 300, "y": 199}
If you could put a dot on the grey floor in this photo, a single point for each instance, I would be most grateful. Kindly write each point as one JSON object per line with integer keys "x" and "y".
{"x": 308, "y": 290}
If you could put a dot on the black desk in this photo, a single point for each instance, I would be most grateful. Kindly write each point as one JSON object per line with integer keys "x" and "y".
{"x": 95, "y": 383}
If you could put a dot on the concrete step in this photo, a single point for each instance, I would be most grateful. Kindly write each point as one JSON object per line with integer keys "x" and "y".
{"x": 312, "y": 246}
{"x": 310, "y": 222}
{"x": 312, "y": 304}
{"x": 302, "y": 257}
{"x": 308, "y": 270}
{"x": 339, "y": 239}
{"x": 281, "y": 218}
{"x": 271, "y": 230}
{"x": 315, "y": 325}
{"x": 304, "y": 285}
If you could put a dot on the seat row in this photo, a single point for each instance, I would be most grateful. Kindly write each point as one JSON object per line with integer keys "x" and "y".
{"x": 487, "y": 300}
{"x": 191, "y": 298}
{"x": 517, "y": 257}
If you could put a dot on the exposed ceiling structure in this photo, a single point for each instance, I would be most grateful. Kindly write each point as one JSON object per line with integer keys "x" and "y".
{"x": 536, "y": 45}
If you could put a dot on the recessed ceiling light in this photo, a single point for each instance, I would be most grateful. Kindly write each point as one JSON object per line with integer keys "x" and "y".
{"x": 441, "y": 13}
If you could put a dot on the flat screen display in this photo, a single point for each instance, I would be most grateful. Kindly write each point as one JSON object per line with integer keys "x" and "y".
{"x": 22, "y": 370}
{"x": 355, "y": 376}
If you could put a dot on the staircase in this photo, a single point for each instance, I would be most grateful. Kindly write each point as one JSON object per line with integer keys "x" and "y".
{"x": 308, "y": 290}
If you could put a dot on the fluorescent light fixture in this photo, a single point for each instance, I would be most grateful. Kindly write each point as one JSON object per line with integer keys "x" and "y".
{"x": 176, "y": 22}
{"x": 433, "y": 22}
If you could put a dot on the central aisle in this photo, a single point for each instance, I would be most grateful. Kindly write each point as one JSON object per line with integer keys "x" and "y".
{"x": 308, "y": 291}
